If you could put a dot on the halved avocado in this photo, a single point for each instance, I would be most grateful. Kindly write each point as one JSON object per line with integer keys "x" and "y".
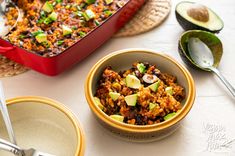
{"x": 193, "y": 16}
{"x": 210, "y": 39}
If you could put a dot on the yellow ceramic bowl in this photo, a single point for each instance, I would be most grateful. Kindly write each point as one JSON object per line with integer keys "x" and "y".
{"x": 45, "y": 125}
{"x": 122, "y": 60}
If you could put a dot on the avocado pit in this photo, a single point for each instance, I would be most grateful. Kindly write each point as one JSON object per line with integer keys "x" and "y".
{"x": 198, "y": 12}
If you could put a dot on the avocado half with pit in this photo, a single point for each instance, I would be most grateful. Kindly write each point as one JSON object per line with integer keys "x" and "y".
{"x": 210, "y": 39}
{"x": 193, "y": 16}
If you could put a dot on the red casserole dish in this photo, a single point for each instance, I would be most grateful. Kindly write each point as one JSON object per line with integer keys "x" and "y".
{"x": 59, "y": 63}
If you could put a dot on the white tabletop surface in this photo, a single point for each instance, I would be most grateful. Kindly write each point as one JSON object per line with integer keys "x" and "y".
{"x": 209, "y": 128}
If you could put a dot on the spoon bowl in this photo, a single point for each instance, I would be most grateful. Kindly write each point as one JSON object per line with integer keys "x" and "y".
{"x": 200, "y": 53}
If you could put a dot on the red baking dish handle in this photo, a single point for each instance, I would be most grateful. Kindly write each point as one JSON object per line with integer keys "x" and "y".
{"x": 5, "y": 49}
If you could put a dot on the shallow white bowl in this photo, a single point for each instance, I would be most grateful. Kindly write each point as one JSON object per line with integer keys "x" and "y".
{"x": 45, "y": 125}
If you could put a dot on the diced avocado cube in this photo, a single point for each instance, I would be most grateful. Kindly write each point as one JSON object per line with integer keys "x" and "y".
{"x": 117, "y": 117}
{"x": 66, "y": 30}
{"x": 41, "y": 38}
{"x": 42, "y": 14}
{"x": 82, "y": 34}
{"x": 60, "y": 42}
{"x": 90, "y": 1}
{"x": 131, "y": 100}
{"x": 169, "y": 90}
{"x": 108, "y": 2}
{"x": 53, "y": 16}
{"x": 152, "y": 106}
{"x": 48, "y": 7}
{"x": 154, "y": 86}
{"x": 79, "y": 8}
{"x": 59, "y": 1}
{"x": 21, "y": 36}
{"x": 169, "y": 116}
{"x": 37, "y": 32}
{"x": 141, "y": 67}
{"x": 79, "y": 13}
{"x": 98, "y": 103}
{"x": 47, "y": 21}
{"x": 132, "y": 81}
{"x": 89, "y": 14}
{"x": 97, "y": 23}
{"x": 114, "y": 95}
{"x": 108, "y": 13}
{"x": 82, "y": 5}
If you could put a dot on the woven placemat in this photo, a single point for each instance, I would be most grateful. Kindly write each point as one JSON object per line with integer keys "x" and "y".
{"x": 151, "y": 15}
{"x": 9, "y": 68}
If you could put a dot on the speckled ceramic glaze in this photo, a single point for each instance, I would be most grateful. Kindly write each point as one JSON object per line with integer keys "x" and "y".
{"x": 122, "y": 60}
{"x": 45, "y": 125}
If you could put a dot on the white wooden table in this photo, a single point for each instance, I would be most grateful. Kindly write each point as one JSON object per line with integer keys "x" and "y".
{"x": 207, "y": 129}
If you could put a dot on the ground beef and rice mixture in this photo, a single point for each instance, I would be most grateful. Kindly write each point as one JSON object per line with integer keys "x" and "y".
{"x": 142, "y": 95}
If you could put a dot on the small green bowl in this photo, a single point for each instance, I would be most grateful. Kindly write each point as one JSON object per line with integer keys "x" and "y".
{"x": 211, "y": 40}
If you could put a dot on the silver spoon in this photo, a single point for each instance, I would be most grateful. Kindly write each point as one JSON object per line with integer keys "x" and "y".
{"x": 6, "y": 116}
{"x": 4, "y": 5}
{"x": 202, "y": 56}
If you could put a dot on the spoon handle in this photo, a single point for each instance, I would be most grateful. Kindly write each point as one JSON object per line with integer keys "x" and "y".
{"x": 222, "y": 78}
{"x": 5, "y": 114}
{"x": 7, "y": 146}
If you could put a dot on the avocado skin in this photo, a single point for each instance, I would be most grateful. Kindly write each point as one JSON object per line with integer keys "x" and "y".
{"x": 183, "y": 56}
{"x": 187, "y": 25}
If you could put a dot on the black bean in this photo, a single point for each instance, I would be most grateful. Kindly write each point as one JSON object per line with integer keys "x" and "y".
{"x": 49, "y": 32}
{"x": 125, "y": 120}
{"x": 31, "y": 17}
{"x": 138, "y": 74}
{"x": 146, "y": 64}
{"x": 53, "y": 28}
{"x": 161, "y": 119}
{"x": 139, "y": 119}
{"x": 138, "y": 107}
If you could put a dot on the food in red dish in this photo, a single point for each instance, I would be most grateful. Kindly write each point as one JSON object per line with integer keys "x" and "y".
{"x": 50, "y": 27}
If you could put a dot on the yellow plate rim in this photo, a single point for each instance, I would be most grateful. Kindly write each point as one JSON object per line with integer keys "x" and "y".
{"x": 43, "y": 100}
